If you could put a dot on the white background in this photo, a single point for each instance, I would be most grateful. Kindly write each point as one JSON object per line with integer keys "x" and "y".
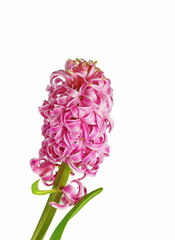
{"x": 134, "y": 43}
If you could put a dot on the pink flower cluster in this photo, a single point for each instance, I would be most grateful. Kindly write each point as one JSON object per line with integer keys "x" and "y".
{"x": 76, "y": 119}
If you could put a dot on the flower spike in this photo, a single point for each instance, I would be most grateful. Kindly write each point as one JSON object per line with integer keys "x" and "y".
{"x": 76, "y": 122}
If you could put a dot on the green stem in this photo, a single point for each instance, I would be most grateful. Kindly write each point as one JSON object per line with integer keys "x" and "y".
{"x": 49, "y": 211}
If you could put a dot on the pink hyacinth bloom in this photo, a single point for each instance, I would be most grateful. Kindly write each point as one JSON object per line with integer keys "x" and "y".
{"x": 70, "y": 196}
{"x": 45, "y": 170}
{"x": 76, "y": 120}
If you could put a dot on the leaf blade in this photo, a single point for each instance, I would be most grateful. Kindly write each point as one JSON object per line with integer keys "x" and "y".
{"x": 36, "y": 191}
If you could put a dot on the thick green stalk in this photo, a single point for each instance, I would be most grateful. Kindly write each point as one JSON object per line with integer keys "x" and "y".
{"x": 49, "y": 211}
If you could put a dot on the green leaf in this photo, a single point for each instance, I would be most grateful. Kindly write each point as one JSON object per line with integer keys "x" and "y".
{"x": 56, "y": 235}
{"x": 35, "y": 189}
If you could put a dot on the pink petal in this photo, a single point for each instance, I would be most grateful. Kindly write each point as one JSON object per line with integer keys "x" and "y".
{"x": 94, "y": 132}
{"x": 77, "y": 157}
{"x": 72, "y": 93}
{"x": 69, "y": 191}
{"x": 72, "y": 103}
{"x": 88, "y": 102}
{"x": 99, "y": 120}
{"x": 110, "y": 123}
{"x": 75, "y": 111}
{"x": 62, "y": 100}
{"x": 69, "y": 64}
{"x": 58, "y": 137}
{"x": 59, "y": 206}
{"x": 85, "y": 110}
{"x": 90, "y": 119}
{"x": 91, "y": 94}
{"x": 94, "y": 146}
{"x": 82, "y": 89}
{"x": 93, "y": 171}
{"x": 81, "y": 189}
{"x": 89, "y": 157}
{"x": 73, "y": 167}
{"x": 85, "y": 131}
{"x": 67, "y": 139}
{"x": 61, "y": 73}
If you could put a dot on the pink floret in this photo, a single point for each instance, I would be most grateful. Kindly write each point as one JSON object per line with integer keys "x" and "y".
{"x": 70, "y": 196}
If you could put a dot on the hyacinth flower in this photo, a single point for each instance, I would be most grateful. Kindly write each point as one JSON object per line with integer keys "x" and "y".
{"x": 76, "y": 121}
